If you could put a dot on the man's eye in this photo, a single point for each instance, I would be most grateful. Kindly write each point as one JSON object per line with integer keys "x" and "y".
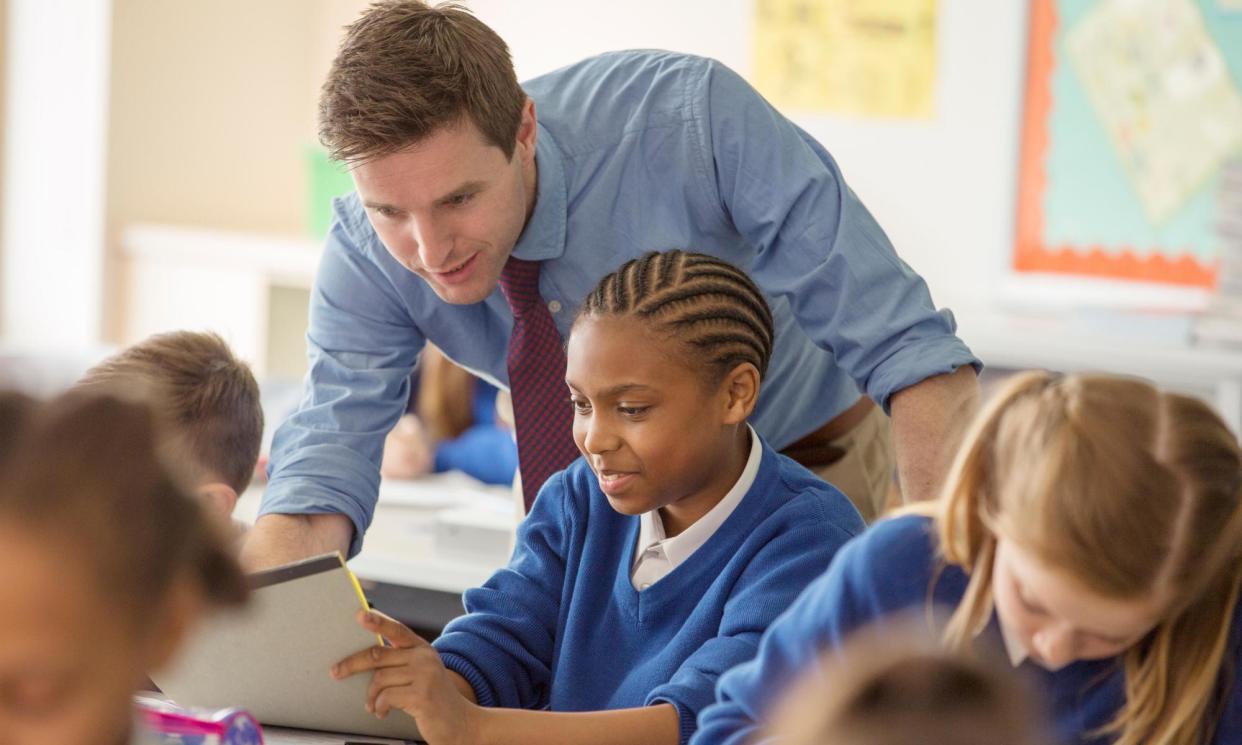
{"x": 460, "y": 200}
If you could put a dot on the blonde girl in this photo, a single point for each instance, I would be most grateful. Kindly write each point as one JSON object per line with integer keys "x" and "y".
{"x": 1091, "y": 528}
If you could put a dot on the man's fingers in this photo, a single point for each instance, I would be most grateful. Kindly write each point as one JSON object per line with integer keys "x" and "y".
{"x": 397, "y": 633}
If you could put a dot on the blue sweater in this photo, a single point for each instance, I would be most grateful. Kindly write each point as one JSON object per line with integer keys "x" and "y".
{"x": 889, "y": 569}
{"x": 562, "y": 628}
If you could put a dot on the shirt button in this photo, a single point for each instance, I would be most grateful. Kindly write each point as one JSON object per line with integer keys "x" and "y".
{"x": 554, "y": 306}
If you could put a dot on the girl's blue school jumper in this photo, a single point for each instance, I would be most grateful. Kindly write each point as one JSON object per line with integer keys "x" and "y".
{"x": 562, "y": 628}
{"x": 891, "y": 569}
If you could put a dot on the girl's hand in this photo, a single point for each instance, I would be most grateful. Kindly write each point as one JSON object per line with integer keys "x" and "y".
{"x": 408, "y": 450}
{"x": 410, "y": 676}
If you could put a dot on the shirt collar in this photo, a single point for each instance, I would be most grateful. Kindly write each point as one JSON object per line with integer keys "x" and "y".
{"x": 543, "y": 237}
{"x": 1013, "y": 646}
{"x": 679, "y": 548}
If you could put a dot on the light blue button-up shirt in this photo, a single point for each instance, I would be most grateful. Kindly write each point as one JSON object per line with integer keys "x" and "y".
{"x": 637, "y": 151}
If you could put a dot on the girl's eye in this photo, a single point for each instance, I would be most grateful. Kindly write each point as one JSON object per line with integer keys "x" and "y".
{"x": 1028, "y": 606}
{"x": 633, "y": 410}
{"x": 580, "y": 407}
{"x": 32, "y": 698}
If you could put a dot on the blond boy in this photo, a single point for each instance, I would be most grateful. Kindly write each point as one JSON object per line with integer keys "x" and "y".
{"x": 208, "y": 401}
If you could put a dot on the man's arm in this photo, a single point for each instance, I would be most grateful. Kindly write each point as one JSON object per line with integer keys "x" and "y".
{"x": 361, "y": 346}
{"x": 929, "y": 419}
{"x": 279, "y": 539}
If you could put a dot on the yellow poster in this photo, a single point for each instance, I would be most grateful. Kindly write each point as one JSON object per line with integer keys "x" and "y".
{"x": 863, "y": 57}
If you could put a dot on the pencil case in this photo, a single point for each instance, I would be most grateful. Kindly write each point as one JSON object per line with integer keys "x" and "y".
{"x": 170, "y": 724}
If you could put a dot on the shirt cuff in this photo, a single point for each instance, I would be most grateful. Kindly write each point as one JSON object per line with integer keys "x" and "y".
{"x": 913, "y": 363}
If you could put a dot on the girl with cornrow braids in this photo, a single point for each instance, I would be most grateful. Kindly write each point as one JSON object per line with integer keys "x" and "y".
{"x": 655, "y": 561}
{"x": 1091, "y": 529}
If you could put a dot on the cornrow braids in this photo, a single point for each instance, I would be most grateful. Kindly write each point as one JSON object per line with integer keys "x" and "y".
{"x": 705, "y": 302}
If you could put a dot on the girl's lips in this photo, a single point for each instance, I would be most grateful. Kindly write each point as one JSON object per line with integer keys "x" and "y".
{"x": 615, "y": 482}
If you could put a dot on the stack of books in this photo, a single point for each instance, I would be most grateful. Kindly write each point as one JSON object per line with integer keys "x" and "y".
{"x": 1221, "y": 322}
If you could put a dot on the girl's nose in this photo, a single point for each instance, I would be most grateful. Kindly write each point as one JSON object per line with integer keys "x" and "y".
{"x": 1055, "y": 647}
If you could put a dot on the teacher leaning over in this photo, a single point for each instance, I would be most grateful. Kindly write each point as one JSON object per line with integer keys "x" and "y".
{"x": 486, "y": 210}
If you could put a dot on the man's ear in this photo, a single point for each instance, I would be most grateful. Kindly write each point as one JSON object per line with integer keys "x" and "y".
{"x": 528, "y": 133}
{"x": 740, "y": 389}
{"x": 219, "y": 498}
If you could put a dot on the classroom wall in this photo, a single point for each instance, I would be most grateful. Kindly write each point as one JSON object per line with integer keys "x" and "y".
{"x": 211, "y": 110}
{"x": 56, "y": 83}
{"x": 213, "y": 103}
{"x": 943, "y": 189}
{"x": 4, "y": 13}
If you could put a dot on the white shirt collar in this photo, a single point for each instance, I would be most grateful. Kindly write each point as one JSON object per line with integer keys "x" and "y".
{"x": 1013, "y": 646}
{"x": 679, "y": 548}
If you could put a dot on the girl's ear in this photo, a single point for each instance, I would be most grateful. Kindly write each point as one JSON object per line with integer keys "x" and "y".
{"x": 741, "y": 392}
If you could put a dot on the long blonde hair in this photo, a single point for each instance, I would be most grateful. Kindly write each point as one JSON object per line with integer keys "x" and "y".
{"x": 1131, "y": 491}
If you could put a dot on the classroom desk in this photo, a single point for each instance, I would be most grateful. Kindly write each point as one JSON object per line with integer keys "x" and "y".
{"x": 281, "y": 736}
{"x": 405, "y": 566}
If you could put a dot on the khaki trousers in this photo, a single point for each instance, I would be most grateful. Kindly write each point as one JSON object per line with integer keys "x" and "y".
{"x": 865, "y": 472}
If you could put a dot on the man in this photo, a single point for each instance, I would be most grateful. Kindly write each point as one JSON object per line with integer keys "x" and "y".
{"x": 466, "y": 181}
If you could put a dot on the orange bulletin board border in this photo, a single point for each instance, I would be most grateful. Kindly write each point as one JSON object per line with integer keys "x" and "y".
{"x": 1031, "y": 254}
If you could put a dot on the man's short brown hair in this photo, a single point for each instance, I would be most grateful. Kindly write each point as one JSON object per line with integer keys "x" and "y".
{"x": 207, "y": 397}
{"x": 406, "y": 70}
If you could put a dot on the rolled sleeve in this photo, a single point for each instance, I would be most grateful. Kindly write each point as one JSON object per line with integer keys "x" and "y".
{"x": 362, "y": 346}
{"x": 818, "y": 246}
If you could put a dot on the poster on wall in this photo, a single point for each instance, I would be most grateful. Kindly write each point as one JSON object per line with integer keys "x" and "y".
{"x": 873, "y": 58}
{"x": 1132, "y": 110}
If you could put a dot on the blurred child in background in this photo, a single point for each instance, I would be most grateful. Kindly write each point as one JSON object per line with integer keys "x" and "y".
{"x": 105, "y": 563}
{"x": 455, "y": 423}
{"x": 896, "y": 685}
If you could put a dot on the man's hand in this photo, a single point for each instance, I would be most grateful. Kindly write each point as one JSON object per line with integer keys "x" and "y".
{"x": 929, "y": 419}
{"x": 410, "y": 676}
{"x": 279, "y": 539}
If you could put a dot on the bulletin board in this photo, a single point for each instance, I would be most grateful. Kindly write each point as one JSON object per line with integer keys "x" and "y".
{"x": 1131, "y": 108}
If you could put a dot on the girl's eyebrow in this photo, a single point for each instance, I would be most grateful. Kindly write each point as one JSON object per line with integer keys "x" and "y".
{"x": 617, "y": 390}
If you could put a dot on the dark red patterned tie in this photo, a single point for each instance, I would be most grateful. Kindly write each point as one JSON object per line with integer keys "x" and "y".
{"x": 536, "y": 360}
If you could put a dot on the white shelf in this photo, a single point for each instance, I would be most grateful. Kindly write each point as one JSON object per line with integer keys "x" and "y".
{"x": 190, "y": 278}
{"x": 1156, "y": 346}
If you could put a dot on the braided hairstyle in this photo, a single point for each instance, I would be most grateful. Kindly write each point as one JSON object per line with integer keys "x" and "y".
{"x": 706, "y": 303}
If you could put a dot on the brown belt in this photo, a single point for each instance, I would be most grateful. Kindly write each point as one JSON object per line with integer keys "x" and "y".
{"x": 816, "y": 449}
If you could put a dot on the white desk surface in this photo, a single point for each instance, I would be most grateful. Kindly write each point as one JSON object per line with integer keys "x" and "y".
{"x": 281, "y": 736}
{"x": 400, "y": 546}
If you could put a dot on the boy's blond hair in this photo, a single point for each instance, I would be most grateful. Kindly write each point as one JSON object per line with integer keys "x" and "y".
{"x": 1132, "y": 491}
{"x": 206, "y": 397}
